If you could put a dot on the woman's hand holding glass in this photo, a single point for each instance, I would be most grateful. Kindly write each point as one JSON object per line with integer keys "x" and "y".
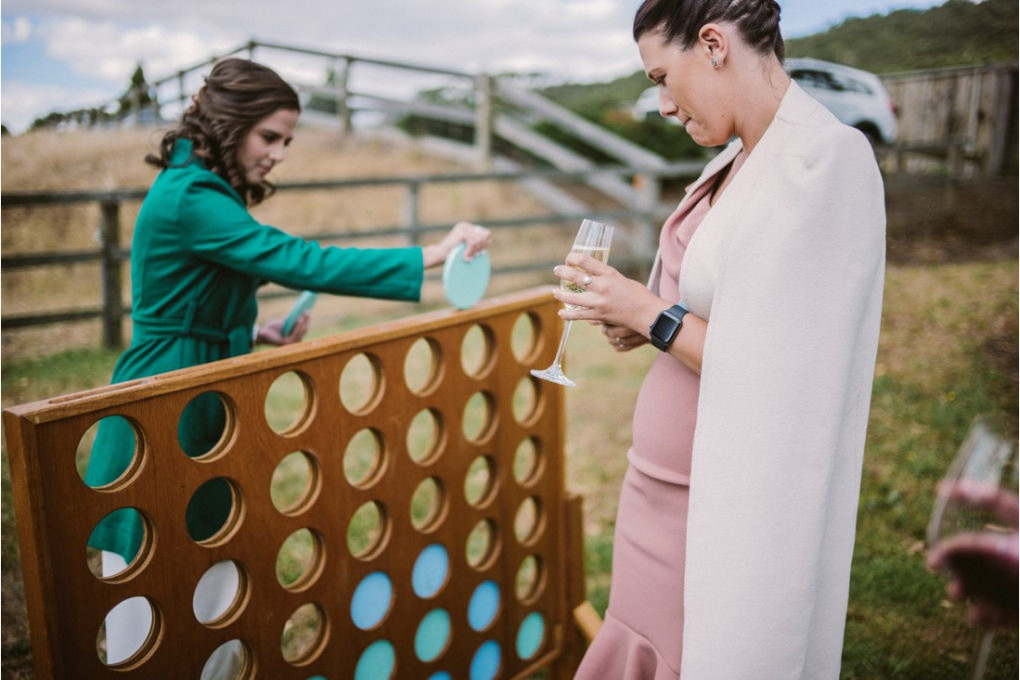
{"x": 593, "y": 291}
{"x": 625, "y": 308}
{"x": 983, "y": 563}
{"x": 591, "y": 247}
{"x": 611, "y": 300}
{"x": 972, "y": 532}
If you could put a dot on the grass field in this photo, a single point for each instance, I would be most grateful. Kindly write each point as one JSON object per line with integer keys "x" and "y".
{"x": 948, "y": 353}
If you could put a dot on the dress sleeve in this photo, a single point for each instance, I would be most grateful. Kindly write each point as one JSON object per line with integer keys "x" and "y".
{"x": 785, "y": 389}
{"x": 215, "y": 226}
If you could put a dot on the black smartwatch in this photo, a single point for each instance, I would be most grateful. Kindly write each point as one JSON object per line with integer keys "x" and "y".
{"x": 663, "y": 330}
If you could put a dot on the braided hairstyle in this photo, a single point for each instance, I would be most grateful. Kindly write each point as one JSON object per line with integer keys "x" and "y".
{"x": 236, "y": 95}
{"x": 681, "y": 20}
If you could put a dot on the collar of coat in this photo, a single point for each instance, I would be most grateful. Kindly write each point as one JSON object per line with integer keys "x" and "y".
{"x": 796, "y": 106}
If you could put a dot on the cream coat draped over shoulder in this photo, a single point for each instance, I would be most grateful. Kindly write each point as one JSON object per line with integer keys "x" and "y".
{"x": 788, "y": 268}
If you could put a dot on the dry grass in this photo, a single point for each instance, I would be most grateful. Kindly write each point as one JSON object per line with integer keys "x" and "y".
{"x": 935, "y": 322}
{"x": 114, "y": 159}
{"x": 82, "y": 160}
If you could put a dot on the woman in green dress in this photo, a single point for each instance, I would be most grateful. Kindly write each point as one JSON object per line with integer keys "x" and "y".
{"x": 197, "y": 259}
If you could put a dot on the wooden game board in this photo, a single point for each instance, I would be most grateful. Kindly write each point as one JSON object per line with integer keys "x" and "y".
{"x": 449, "y": 550}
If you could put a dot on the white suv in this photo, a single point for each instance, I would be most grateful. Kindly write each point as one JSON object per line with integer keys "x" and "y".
{"x": 856, "y": 97}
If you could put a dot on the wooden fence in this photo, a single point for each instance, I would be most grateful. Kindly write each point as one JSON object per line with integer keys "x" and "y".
{"x": 638, "y": 241}
{"x": 962, "y": 120}
{"x": 494, "y": 107}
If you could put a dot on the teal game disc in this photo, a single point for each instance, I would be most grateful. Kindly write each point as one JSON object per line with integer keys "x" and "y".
{"x": 464, "y": 282}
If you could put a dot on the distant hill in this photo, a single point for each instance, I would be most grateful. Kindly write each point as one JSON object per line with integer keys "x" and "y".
{"x": 959, "y": 32}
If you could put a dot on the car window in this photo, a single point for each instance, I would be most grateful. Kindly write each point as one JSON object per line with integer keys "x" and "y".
{"x": 855, "y": 85}
{"x": 816, "y": 79}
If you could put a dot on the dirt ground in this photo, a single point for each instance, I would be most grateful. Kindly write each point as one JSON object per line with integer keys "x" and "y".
{"x": 936, "y": 220}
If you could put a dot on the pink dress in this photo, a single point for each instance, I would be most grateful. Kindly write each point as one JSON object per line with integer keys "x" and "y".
{"x": 642, "y": 635}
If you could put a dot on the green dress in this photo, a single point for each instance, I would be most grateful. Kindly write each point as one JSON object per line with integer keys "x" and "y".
{"x": 197, "y": 259}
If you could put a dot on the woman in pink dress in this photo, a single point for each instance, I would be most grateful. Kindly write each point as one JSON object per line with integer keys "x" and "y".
{"x": 736, "y": 518}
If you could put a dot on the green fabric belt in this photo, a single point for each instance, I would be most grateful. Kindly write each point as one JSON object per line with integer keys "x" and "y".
{"x": 145, "y": 327}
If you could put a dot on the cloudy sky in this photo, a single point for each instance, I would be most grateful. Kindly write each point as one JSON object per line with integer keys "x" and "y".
{"x": 67, "y": 54}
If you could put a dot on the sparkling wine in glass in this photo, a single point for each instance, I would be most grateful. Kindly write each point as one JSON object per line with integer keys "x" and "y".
{"x": 593, "y": 239}
{"x": 973, "y": 526}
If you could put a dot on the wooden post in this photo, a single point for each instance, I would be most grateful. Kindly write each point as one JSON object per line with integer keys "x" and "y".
{"x": 647, "y": 192}
{"x": 113, "y": 310}
{"x": 154, "y": 105}
{"x": 343, "y": 110}
{"x": 136, "y": 106}
{"x": 955, "y": 158}
{"x": 970, "y": 150}
{"x": 411, "y": 202}
{"x": 1004, "y": 125}
{"x": 483, "y": 120}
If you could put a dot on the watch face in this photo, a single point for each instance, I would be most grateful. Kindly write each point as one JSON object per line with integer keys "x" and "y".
{"x": 664, "y": 327}
{"x": 664, "y": 330}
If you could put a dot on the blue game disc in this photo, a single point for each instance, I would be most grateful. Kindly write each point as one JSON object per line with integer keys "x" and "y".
{"x": 371, "y": 600}
{"x": 430, "y": 571}
{"x": 376, "y": 662}
{"x": 483, "y": 606}
{"x": 465, "y": 282}
{"x": 433, "y": 635}
{"x": 486, "y": 662}
{"x": 530, "y": 635}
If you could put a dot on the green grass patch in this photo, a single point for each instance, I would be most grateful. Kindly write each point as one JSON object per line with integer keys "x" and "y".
{"x": 948, "y": 353}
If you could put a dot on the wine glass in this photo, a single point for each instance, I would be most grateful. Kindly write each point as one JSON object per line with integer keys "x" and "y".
{"x": 593, "y": 239}
{"x": 973, "y": 528}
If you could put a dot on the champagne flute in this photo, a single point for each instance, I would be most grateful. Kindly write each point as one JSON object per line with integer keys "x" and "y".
{"x": 593, "y": 239}
{"x": 972, "y": 531}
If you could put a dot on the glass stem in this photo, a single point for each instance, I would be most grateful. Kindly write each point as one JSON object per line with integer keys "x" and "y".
{"x": 984, "y": 650}
{"x": 563, "y": 344}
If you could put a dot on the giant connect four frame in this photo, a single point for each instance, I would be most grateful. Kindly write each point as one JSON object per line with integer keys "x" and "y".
{"x": 398, "y": 509}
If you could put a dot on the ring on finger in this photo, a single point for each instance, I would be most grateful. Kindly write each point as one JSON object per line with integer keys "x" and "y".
{"x": 586, "y": 281}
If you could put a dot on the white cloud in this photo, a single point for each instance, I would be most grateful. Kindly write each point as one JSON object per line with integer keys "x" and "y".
{"x": 17, "y": 31}
{"x": 21, "y": 103}
{"x": 560, "y": 35}
{"x": 107, "y": 50}
{"x": 570, "y": 39}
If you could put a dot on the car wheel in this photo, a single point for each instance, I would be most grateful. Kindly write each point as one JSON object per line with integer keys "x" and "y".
{"x": 870, "y": 132}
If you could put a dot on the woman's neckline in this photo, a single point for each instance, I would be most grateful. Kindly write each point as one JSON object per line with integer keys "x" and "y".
{"x": 724, "y": 176}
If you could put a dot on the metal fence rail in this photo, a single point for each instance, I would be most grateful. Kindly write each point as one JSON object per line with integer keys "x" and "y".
{"x": 645, "y": 214}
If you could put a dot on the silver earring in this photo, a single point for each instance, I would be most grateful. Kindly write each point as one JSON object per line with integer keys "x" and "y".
{"x": 715, "y": 64}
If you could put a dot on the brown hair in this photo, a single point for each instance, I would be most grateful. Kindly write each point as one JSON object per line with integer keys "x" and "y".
{"x": 680, "y": 21}
{"x": 236, "y": 95}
